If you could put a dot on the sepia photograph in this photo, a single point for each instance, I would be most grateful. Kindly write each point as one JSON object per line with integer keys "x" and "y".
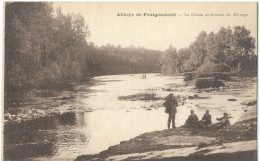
{"x": 116, "y": 81}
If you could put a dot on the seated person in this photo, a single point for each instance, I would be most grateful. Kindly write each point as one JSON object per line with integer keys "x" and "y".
{"x": 192, "y": 120}
{"x": 223, "y": 121}
{"x": 206, "y": 119}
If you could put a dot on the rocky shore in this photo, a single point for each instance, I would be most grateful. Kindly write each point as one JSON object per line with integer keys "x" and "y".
{"x": 236, "y": 142}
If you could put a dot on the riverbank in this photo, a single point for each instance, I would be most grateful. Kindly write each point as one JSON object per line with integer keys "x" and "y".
{"x": 236, "y": 141}
{"x": 38, "y": 106}
{"x": 66, "y": 125}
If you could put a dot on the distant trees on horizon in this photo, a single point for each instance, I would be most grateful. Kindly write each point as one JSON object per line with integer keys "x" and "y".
{"x": 226, "y": 51}
{"x": 47, "y": 50}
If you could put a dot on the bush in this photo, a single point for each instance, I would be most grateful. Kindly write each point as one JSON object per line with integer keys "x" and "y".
{"x": 188, "y": 76}
{"x": 208, "y": 83}
{"x": 221, "y": 68}
{"x": 210, "y": 67}
{"x": 216, "y": 76}
{"x": 222, "y": 76}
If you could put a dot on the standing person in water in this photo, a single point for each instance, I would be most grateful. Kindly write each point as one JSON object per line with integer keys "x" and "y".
{"x": 171, "y": 107}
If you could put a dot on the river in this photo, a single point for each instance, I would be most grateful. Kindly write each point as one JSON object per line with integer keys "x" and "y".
{"x": 98, "y": 119}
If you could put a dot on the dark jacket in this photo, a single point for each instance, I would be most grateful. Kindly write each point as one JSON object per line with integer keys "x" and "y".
{"x": 171, "y": 105}
{"x": 207, "y": 119}
{"x": 192, "y": 121}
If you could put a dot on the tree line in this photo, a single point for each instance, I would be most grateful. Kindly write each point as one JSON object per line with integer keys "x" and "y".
{"x": 229, "y": 50}
{"x": 46, "y": 49}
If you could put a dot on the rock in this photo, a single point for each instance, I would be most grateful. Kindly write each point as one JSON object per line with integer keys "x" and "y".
{"x": 194, "y": 97}
{"x": 232, "y": 99}
{"x": 202, "y": 145}
{"x": 17, "y": 119}
{"x": 156, "y": 105}
{"x": 23, "y": 116}
{"x": 251, "y": 103}
{"x": 8, "y": 116}
{"x": 122, "y": 142}
{"x": 88, "y": 110}
{"x": 245, "y": 110}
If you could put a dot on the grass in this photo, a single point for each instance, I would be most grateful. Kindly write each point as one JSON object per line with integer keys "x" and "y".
{"x": 208, "y": 83}
{"x": 140, "y": 96}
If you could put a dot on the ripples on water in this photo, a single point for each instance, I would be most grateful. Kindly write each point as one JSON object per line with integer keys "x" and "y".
{"x": 66, "y": 136}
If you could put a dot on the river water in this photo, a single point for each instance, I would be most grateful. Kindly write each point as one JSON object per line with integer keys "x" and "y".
{"x": 98, "y": 119}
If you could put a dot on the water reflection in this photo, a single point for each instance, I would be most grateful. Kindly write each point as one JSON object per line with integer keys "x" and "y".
{"x": 100, "y": 120}
{"x": 37, "y": 137}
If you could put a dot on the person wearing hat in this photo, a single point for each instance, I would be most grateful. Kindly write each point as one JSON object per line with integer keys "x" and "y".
{"x": 171, "y": 107}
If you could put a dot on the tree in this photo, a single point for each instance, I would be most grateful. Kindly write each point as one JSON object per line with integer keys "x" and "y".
{"x": 169, "y": 61}
{"x": 184, "y": 57}
{"x": 221, "y": 52}
{"x": 46, "y": 51}
{"x": 198, "y": 51}
{"x": 243, "y": 46}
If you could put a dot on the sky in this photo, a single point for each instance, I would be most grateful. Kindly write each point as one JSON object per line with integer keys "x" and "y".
{"x": 159, "y": 32}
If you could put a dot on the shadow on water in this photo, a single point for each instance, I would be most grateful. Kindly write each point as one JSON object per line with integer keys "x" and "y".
{"x": 34, "y": 138}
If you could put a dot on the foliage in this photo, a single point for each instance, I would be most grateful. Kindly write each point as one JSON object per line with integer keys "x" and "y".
{"x": 47, "y": 50}
{"x": 227, "y": 50}
{"x": 216, "y": 76}
{"x": 188, "y": 76}
{"x": 169, "y": 61}
{"x": 210, "y": 67}
{"x": 208, "y": 83}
